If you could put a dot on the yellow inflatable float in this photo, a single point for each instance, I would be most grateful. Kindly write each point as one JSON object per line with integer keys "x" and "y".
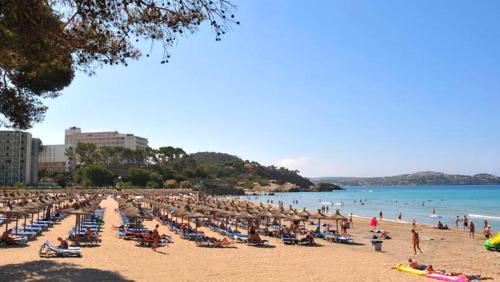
{"x": 405, "y": 268}
{"x": 493, "y": 243}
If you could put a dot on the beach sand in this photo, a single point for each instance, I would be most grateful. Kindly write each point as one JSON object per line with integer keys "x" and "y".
{"x": 121, "y": 260}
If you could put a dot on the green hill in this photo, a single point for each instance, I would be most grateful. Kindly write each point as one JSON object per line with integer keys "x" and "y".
{"x": 419, "y": 178}
{"x": 237, "y": 171}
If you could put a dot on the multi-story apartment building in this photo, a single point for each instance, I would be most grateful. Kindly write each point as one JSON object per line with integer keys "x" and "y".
{"x": 53, "y": 158}
{"x": 18, "y": 158}
{"x": 74, "y": 135}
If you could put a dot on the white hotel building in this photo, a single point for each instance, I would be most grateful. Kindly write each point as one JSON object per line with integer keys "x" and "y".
{"x": 53, "y": 158}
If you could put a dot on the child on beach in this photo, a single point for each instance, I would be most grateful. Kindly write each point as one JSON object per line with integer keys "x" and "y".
{"x": 156, "y": 237}
{"x": 416, "y": 241}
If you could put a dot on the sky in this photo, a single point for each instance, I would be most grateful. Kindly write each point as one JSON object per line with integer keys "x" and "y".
{"x": 331, "y": 88}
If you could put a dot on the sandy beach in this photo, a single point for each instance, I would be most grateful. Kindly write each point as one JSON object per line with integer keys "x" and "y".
{"x": 121, "y": 260}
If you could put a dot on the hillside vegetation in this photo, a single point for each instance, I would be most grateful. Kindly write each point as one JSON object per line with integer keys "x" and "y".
{"x": 170, "y": 167}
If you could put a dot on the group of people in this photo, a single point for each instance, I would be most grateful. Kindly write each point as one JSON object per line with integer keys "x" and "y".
{"x": 471, "y": 227}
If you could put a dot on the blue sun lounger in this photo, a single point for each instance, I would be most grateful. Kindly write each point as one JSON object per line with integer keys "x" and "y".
{"x": 48, "y": 250}
{"x": 28, "y": 234}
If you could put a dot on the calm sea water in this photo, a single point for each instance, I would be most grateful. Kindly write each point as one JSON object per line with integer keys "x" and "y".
{"x": 414, "y": 202}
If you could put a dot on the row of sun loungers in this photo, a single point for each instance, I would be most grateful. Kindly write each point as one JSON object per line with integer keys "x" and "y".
{"x": 200, "y": 237}
{"x": 77, "y": 235}
{"x": 22, "y": 233}
{"x": 136, "y": 231}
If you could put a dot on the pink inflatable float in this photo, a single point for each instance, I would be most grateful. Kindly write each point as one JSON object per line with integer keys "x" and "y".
{"x": 443, "y": 277}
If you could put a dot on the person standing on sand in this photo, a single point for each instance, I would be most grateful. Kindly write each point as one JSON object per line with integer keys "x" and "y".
{"x": 414, "y": 224}
{"x": 416, "y": 241}
{"x": 156, "y": 238}
{"x": 350, "y": 220}
{"x": 466, "y": 222}
{"x": 457, "y": 221}
{"x": 399, "y": 216}
{"x": 485, "y": 223}
{"x": 487, "y": 232}
{"x": 472, "y": 229}
{"x": 380, "y": 215}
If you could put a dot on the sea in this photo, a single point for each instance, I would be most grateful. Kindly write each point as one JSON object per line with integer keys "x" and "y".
{"x": 477, "y": 202}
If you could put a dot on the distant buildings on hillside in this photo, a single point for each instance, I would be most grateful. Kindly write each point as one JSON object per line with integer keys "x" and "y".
{"x": 21, "y": 156}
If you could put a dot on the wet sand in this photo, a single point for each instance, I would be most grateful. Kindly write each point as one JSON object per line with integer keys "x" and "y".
{"x": 121, "y": 260}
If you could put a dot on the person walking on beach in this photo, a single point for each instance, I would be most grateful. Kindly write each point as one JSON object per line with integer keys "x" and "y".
{"x": 457, "y": 221}
{"x": 380, "y": 215}
{"x": 351, "y": 224}
{"x": 156, "y": 238}
{"x": 472, "y": 229}
{"x": 416, "y": 241}
{"x": 466, "y": 222}
{"x": 487, "y": 232}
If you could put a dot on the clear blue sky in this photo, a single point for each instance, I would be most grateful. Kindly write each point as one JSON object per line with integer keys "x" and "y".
{"x": 343, "y": 88}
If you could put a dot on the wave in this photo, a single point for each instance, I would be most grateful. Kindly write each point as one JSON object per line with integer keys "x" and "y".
{"x": 484, "y": 216}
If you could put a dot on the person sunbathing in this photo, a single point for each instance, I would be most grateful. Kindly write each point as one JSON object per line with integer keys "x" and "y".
{"x": 470, "y": 277}
{"x": 90, "y": 235}
{"x": 6, "y": 236}
{"x": 415, "y": 265}
{"x": 431, "y": 270}
{"x": 255, "y": 237}
{"x": 63, "y": 244}
{"x": 224, "y": 242}
{"x": 310, "y": 238}
{"x": 384, "y": 235}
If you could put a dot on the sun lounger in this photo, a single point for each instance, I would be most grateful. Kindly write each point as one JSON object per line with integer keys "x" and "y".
{"x": 212, "y": 244}
{"x": 239, "y": 237}
{"x": 338, "y": 238}
{"x": 257, "y": 242}
{"x": 47, "y": 250}
{"x": 48, "y": 222}
{"x": 81, "y": 239}
{"x": 289, "y": 240}
{"x": 175, "y": 229}
{"x": 17, "y": 240}
{"x": 192, "y": 236}
{"x": 29, "y": 234}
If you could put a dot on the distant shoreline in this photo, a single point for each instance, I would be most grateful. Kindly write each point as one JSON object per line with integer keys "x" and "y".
{"x": 424, "y": 178}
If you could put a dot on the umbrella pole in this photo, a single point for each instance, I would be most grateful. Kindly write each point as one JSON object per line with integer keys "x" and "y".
{"x": 24, "y": 228}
